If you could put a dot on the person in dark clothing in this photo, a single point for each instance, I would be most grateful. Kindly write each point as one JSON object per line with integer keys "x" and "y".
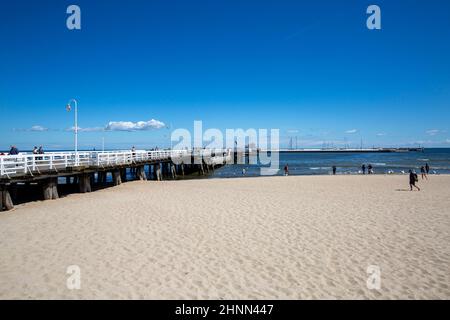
{"x": 13, "y": 151}
{"x": 286, "y": 170}
{"x": 369, "y": 169}
{"x": 423, "y": 172}
{"x": 334, "y": 170}
{"x": 363, "y": 167}
{"x": 412, "y": 180}
{"x": 427, "y": 168}
{"x": 40, "y": 151}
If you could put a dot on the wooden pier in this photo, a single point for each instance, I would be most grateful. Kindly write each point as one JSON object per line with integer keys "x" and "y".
{"x": 89, "y": 169}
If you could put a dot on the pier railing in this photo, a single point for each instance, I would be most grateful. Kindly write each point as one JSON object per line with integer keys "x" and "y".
{"x": 30, "y": 164}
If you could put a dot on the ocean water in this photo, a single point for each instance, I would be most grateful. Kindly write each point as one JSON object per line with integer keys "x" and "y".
{"x": 348, "y": 163}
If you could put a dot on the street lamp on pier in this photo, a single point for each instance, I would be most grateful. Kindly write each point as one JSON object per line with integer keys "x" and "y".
{"x": 68, "y": 107}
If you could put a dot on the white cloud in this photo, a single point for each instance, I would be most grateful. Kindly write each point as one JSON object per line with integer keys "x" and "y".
{"x": 381, "y": 134}
{"x": 433, "y": 132}
{"x": 134, "y": 126}
{"x": 352, "y": 131}
{"x": 35, "y": 128}
{"x": 38, "y": 129}
{"x": 293, "y": 131}
{"x": 93, "y": 129}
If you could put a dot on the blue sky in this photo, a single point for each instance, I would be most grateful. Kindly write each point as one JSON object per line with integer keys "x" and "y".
{"x": 311, "y": 69}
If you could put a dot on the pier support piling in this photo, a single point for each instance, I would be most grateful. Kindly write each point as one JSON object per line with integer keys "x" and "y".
{"x": 182, "y": 169}
{"x": 50, "y": 189}
{"x": 173, "y": 171}
{"x": 201, "y": 170}
{"x": 158, "y": 175}
{"x": 140, "y": 173}
{"x": 92, "y": 178}
{"x": 117, "y": 179}
{"x": 150, "y": 173}
{"x": 123, "y": 175}
{"x": 101, "y": 177}
{"x": 5, "y": 199}
{"x": 85, "y": 183}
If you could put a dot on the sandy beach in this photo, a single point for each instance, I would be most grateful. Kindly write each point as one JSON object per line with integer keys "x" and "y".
{"x": 304, "y": 237}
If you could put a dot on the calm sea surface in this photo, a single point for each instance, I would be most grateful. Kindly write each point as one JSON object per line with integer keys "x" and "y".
{"x": 348, "y": 163}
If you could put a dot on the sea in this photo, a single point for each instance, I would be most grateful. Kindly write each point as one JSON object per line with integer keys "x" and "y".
{"x": 321, "y": 163}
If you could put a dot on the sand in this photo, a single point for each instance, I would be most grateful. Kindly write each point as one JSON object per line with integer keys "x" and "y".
{"x": 309, "y": 237}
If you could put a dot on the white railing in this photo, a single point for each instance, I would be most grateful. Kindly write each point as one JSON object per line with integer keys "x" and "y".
{"x": 24, "y": 164}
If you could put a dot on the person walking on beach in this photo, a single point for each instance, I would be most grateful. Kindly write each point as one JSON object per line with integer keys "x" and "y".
{"x": 412, "y": 180}
{"x": 334, "y": 170}
{"x": 423, "y": 172}
{"x": 363, "y": 168}
{"x": 427, "y": 168}
{"x": 243, "y": 172}
{"x": 369, "y": 169}
{"x": 286, "y": 170}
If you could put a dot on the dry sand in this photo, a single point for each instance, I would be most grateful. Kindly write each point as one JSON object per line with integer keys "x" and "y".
{"x": 251, "y": 238}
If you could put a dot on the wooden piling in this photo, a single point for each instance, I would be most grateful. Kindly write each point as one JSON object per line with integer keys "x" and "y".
{"x": 140, "y": 173}
{"x": 92, "y": 178}
{"x": 201, "y": 170}
{"x": 182, "y": 169}
{"x": 85, "y": 183}
{"x": 123, "y": 175}
{"x": 150, "y": 173}
{"x": 5, "y": 199}
{"x": 173, "y": 171}
{"x": 101, "y": 177}
{"x": 104, "y": 177}
{"x": 117, "y": 179}
{"x": 50, "y": 189}
{"x": 158, "y": 175}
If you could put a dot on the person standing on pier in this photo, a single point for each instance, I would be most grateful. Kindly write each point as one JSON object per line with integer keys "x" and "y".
{"x": 412, "y": 180}
{"x": 13, "y": 151}
{"x": 40, "y": 151}
{"x": 35, "y": 150}
{"x": 363, "y": 168}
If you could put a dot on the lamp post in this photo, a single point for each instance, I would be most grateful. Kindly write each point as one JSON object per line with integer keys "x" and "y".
{"x": 76, "y": 126}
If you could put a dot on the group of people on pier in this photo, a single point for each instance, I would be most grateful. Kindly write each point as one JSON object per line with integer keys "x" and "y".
{"x": 14, "y": 151}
